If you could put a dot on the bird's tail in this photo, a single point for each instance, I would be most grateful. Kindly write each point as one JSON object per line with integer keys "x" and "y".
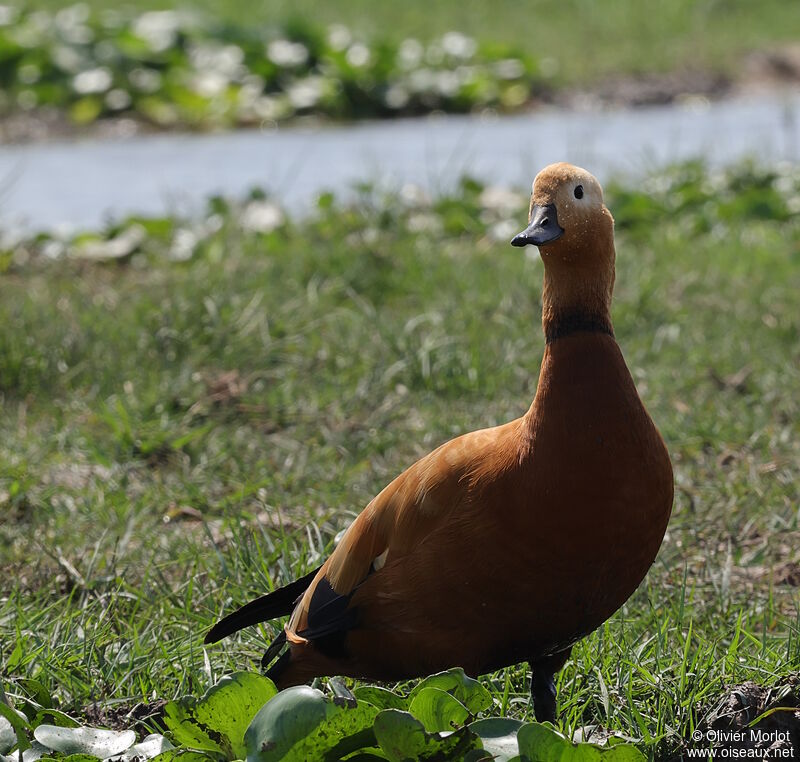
{"x": 280, "y": 602}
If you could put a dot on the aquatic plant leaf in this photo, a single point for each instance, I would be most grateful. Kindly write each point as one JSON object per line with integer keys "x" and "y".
{"x": 498, "y": 736}
{"x": 217, "y": 721}
{"x": 402, "y": 736}
{"x": 456, "y": 682}
{"x": 302, "y": 723}
{"x": 94, "y": 742}
{"x": 437, "y": 710}
{"x": 541, "y": 743}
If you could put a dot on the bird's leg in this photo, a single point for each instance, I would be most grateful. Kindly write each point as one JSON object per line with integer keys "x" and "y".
{"x": 543, "y": 687}
{"x": 543, "y": 694}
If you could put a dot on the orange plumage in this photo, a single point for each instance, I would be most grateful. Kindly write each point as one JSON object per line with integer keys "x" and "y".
{"x": 510, "y": 543}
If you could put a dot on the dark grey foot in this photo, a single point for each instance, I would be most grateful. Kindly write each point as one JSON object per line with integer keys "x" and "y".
{"x": 543, "y": 694}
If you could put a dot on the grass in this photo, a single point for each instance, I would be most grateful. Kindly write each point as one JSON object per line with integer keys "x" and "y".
{"x": 582, "y": 41}
{"x": 191, "y": 425}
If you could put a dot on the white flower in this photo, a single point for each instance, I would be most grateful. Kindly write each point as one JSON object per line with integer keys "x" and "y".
{"x": 508, "y": 68}
{"x": 410, "y": 53}
{"x": 287, "y": 53}
{"x": 459, "y": 45}
{"x": 504, "y": 230}
{"x": 145, "y": 80}
{"x": 424, "y": 222}
{"x": 157, "y": 28}
{"x": 225, "y": 59}
{"x": 183, "y": 245}
{"x": 71, "y": 24}
{"x": 396, "y": 96}
{"x": 358, "y": 55}
{"x": 66, "y": 58}
{"x": 262, "y": 217}
{"x": 413, "y": 195}
{"x": 209, "y": 83}
{"x": 8, "y": 15}
{"x": 118, "y": 99}
{"x": 422, "y": 80}
{"x": 92, "y": 81}
{"x": 502, "y": 200}
{"x": 271, "y": 108}
{"x": 447, "y": 83}
{"x": 339, "y": 36}
{"x": 305, "y": 93}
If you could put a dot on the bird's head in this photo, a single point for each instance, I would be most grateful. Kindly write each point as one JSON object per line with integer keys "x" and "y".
{"x": 567, "y": 219}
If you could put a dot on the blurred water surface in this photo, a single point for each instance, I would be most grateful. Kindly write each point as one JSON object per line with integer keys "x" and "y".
{"x": 81, "y": 184}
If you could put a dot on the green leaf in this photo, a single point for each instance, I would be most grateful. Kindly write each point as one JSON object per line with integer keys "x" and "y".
{"x": 455, "y": 682}
{"x": 19, "y": 724}
{"x": 8, "y": 736}
{"x": 302, "y": 723}
{"x": 402, "y": 737}
{"x": 217, "y": 722}
{"x": 86, "y": 110}
{"x": 182, "y": 755}
{"x": 56, "y": 718}
{"x": 94, "y": 742}
{"x": 438, "y": 710}
{"x": 37, "y": 692}
{"x": 498, "y": 736}
{"x": 540, "y": 743}
{"x": 379, "y": 697}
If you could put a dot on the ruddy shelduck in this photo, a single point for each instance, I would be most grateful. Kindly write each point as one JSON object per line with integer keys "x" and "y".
{"x": 511, "y": 543}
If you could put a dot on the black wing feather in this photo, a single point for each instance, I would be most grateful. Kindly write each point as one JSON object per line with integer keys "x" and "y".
{"x": 280, "y": 602}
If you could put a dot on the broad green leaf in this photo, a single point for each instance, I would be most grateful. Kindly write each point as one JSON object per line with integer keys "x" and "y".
{"x": 455, "y": 682}
{"x": 182, "y": 755}
{"x": 402, "y": 737}
{"x": 94, "y": 742}
{"x": 217, "y": 721}
{"x": 379, "y": 697}
{"x": 285, "y": 720}
{"x": 37, "y": 692}
{"x": 438, "y": 710}
{"x": 498, "y": 736}
{"x": 302, "y": 723}
{"x": 540, "y": 743}
{"x": 56, "y": 718}
{"x": 478, "y": 755}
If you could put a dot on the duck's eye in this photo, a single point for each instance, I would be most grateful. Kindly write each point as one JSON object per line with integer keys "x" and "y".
{"x": 578, "y": 191}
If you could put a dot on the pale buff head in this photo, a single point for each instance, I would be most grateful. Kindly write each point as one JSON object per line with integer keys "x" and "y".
{"x": 568, "y": 220}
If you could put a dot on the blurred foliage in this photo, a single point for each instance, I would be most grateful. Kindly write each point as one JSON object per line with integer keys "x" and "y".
{"x": 177, "y": 68}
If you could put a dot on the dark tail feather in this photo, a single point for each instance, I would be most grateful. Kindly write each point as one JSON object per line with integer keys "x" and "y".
{"x": 278, "y": 668}
{"x": 273, "y": 649}
{"x": 280, "y": 602}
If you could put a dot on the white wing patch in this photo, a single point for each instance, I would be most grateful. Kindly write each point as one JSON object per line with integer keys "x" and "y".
{"x": 380, "y": 561}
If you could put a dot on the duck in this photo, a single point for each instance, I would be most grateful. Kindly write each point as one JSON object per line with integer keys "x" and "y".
{"x": 507, "y": 544}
